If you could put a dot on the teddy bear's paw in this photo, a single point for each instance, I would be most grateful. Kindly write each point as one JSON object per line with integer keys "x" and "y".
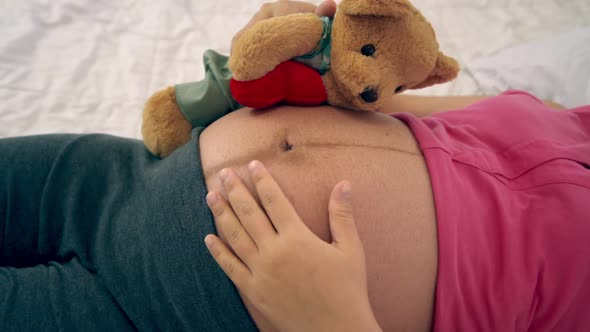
{"x": 262, "y": 47}
{"x": 164, "y": 127}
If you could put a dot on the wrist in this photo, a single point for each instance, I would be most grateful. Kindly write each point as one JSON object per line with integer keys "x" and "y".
{"x": 360, "y": 321}
{"x": 367, "y": 324}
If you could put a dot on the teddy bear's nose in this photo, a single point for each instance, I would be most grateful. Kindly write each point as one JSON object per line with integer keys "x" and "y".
{"x": 370, "y": 95}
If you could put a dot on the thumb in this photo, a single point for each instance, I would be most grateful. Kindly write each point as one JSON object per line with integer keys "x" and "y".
{"x": 326, "y": 8}
{"x": 342, "y": 224}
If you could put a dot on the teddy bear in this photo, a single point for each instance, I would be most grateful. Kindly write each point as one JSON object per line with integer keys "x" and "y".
{"x": 369, "y": 51}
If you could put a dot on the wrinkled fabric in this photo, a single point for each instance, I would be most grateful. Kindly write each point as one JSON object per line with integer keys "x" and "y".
{"x": 96, "y": 234}
{"x": 207, "y": 100}
{"x": 90, "y": 66}
{"x": 511, "y": 184}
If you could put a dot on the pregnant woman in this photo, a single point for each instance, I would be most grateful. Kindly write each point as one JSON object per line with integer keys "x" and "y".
{"x": 98, "y": 234}
{"x": 473, "y": 219}
{"x": 470, "y": 219}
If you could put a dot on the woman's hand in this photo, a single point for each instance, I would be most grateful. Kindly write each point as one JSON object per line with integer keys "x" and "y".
{"x": 286, "y": 7}
{"x": 297, "y": 281}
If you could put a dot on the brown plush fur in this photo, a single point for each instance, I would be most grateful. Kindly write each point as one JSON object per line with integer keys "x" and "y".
{"x": 407, "y": 53}
{"x": 164, "y": 127}
{"x": 407, "y": 56}
{"x": 446, "y": 68}
{"x": 392, "y": 8}
{"x": 273, "y": 41}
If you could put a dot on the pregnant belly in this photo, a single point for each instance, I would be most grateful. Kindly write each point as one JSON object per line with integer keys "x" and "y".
{"x": 309, "y": 150}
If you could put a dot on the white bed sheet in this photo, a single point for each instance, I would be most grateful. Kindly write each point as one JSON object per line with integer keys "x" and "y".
{"x": 89, "y": 66}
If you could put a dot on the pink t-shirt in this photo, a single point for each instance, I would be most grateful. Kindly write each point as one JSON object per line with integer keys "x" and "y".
{"x": 511, "y": 183}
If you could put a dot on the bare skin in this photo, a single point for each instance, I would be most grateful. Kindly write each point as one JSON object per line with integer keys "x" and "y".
{"x": 393, "y": 200}
{"x": 294, "y": 279}
{"x": 308, "y": 150}
{"x": 426, "y": 105}
{"x": 393, "y": 197}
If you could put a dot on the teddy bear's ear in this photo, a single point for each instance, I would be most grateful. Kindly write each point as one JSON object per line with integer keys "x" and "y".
{"x": 445, "y": 70}
{"x": 393, "y": 8}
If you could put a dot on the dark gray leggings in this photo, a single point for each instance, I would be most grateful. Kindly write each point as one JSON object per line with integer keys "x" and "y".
{"x": 98, "y": 235}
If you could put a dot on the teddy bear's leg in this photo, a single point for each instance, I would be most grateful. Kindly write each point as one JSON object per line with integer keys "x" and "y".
{"x": 164, "y": 126}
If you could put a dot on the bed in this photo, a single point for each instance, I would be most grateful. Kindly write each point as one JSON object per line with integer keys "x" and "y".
{"x": 89, "y": 66}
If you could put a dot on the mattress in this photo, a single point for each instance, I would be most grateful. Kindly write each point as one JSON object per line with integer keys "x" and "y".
{"x": 89, "y": 66}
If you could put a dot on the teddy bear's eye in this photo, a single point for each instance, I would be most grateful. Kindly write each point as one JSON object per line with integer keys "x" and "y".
{"x": 399, "y": 88}
{"x": 368, "y": 50}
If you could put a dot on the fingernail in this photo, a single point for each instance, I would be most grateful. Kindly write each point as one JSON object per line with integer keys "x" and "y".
{"x": 212, "y": 199}
{"x": 208, "y": 241}
{"x": 255, "y": 168}
{"x": 345, "y": 190}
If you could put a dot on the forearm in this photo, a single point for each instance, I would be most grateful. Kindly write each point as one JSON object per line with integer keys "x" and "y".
{"x": 427, "y": 105}
{"x": 359, "y": 321}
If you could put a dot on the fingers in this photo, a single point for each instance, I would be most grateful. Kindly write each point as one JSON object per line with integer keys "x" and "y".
{"x": 275, "y": 203}
{"x": 326, "y": 8}
{"x": 245, "y": 207}
{"x": 231, "y": 265}
{"x": 285, "y": 7}
{"x": 342, "y": 225}
{"x": 229, "y": 225}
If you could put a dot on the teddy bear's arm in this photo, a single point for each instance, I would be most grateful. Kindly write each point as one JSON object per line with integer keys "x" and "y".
{"x": 270, "y": 42}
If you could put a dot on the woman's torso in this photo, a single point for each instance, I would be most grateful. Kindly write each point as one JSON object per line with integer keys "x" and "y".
{"x": 309, "y": 150}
